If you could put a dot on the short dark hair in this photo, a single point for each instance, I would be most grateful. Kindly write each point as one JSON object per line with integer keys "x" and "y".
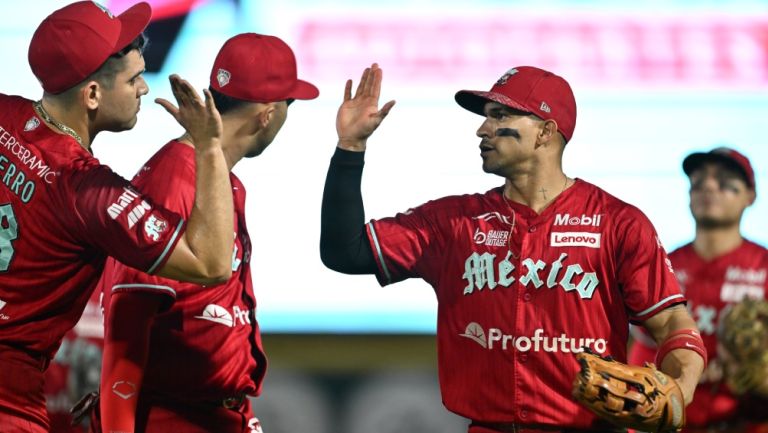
{"x": 226, "y": 104}
{"x": 105, "y": 75}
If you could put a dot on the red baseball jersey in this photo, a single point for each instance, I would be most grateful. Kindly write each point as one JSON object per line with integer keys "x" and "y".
{"x": 61, "y": 214}
{"x": 209, "y": 337}
{"x": 710, "y": 286}
{"x": 519, "y": 293}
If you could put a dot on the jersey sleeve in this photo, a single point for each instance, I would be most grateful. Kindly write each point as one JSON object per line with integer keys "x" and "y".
{"x": 645, "y": 272}
{"x": 116, "y": 218}
{"x": 119, "y": 278}
{"x": 403, "y": 245}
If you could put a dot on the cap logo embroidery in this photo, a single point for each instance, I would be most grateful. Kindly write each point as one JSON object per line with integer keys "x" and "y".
{"x": 505, "y": 77}
{"x": 223, "y": 76}
{"x": 31, "y": 124}
{"x": 103, "y": 8}
{"x": 544, "y": 107}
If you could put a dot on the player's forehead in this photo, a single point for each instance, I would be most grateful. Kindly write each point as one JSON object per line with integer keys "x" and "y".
{"x": 133, "y": 64}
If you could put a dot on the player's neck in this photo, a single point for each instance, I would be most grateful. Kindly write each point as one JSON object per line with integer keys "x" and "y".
{"x": 66, "y": 120}
{"x": 536, "y": 191}
{"x": 228, "y": 156}
{"x": 711, "y": 243}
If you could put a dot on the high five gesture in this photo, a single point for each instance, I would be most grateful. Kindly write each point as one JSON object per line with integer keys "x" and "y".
{"x": 360, "y": 115}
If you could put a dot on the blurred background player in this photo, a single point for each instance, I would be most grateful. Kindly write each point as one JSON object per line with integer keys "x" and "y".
{"x": 62, "y": 212}
{"x": 717, "y": 269}
{"x": 185, "y": 357}
{"x": 75, "y": 370}
{"x": 525, "y": 274}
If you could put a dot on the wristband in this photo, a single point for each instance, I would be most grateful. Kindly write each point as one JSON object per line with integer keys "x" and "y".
{"x": 688, "y": 339}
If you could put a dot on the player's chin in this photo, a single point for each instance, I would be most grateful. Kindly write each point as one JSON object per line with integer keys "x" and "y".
{"x": 713, "y": 221}
{"x": 490, "y": 167}
{"x": 124, "y": 125}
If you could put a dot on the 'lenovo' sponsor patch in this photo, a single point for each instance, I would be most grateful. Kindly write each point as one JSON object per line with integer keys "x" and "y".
{"x": 575, "y": 239}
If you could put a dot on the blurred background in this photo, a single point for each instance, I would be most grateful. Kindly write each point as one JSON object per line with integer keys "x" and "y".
{"x": 654, "y": 81}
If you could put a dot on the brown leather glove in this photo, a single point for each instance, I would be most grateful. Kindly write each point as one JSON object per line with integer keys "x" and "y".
{"x": 629, "y": 396}
{"x": 743, "y": 332}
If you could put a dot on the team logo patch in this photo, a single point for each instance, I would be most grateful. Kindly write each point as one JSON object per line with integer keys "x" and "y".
{"x": 475, "y": 332}
{"x": 126, "y": 198}
{"x": 575, "y": 239}
{"x": 154, "y": 227}
{"x": 217, "y": 314}
{"x": 540, "y": 341}
{"x": 503, "y": 80}
{"x": 31, "y": 124}
{"x": 124, "y": 389}
{"x": 565, "y": 219}
{"x": 489, "y": 216}
{"x": 743, "y": 282}
{"x": 223, "y": 76}
{"x": 493, "y": 238}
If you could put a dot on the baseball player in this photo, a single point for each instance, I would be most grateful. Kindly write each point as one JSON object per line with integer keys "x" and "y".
{"x": 208, "y": 337}
{"x": 526, "y": 274}
{"x": 717, "y": 269}
{"x": 75, "y": 370}
{"x": 62, "y": 212}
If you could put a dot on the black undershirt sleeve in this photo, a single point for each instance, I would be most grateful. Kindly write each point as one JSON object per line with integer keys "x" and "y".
{"x": 344, "y": 245}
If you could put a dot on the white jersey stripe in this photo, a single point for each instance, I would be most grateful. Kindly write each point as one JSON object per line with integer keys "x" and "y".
{"x": 653, "y": 307}
{"x": 378, "y": 252}
{"x": 167, "y": 247}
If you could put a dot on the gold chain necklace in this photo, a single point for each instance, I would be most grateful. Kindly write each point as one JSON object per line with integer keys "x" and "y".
{"x": 38, "y": 106}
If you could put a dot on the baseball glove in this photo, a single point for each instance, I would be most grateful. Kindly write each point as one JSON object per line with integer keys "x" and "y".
{"x": 743, "y": 332}
{"x": 629, "y": 396}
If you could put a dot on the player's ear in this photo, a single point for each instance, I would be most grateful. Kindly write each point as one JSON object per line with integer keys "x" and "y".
{"x": 547, "y": 133}
{"x": 751, "y": 196}
{"x": 266, "y": 114}
{"x": 90, "y": 94}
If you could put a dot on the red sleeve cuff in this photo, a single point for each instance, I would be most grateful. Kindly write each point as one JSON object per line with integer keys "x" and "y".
{"x": 166, "y": 292}
{"x": 383, "y": 275}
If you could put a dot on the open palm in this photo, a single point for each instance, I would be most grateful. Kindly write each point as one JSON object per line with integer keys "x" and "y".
{"x": 199, "y": 117}
{"x": 360, "y": 115}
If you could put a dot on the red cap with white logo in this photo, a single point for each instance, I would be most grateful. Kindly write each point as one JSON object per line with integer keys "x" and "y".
{"x": 74, "y": 41}
{"x": 528, "y": 89}
{"x": 722, "y": 155}
{"x": 259, "y": 68}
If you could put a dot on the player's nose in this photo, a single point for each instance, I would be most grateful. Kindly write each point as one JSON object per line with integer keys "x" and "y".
{"x": 484, "y": 130}
{"x": 143, "y": 87}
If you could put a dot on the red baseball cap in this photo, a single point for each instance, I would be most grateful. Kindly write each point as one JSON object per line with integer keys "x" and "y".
{"x": 531, "y": 90}
{"x": 259, "y": 68}
{"x": 722, "y": 155}
{"x": 73, "y": 42}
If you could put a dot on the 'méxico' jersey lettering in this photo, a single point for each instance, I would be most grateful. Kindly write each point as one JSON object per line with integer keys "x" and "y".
{"x": 480, "y": 270}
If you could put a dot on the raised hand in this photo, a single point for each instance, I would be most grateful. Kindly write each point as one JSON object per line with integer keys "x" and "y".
{"x": 200, "y": 118}
{"x": 360, "y": 115}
